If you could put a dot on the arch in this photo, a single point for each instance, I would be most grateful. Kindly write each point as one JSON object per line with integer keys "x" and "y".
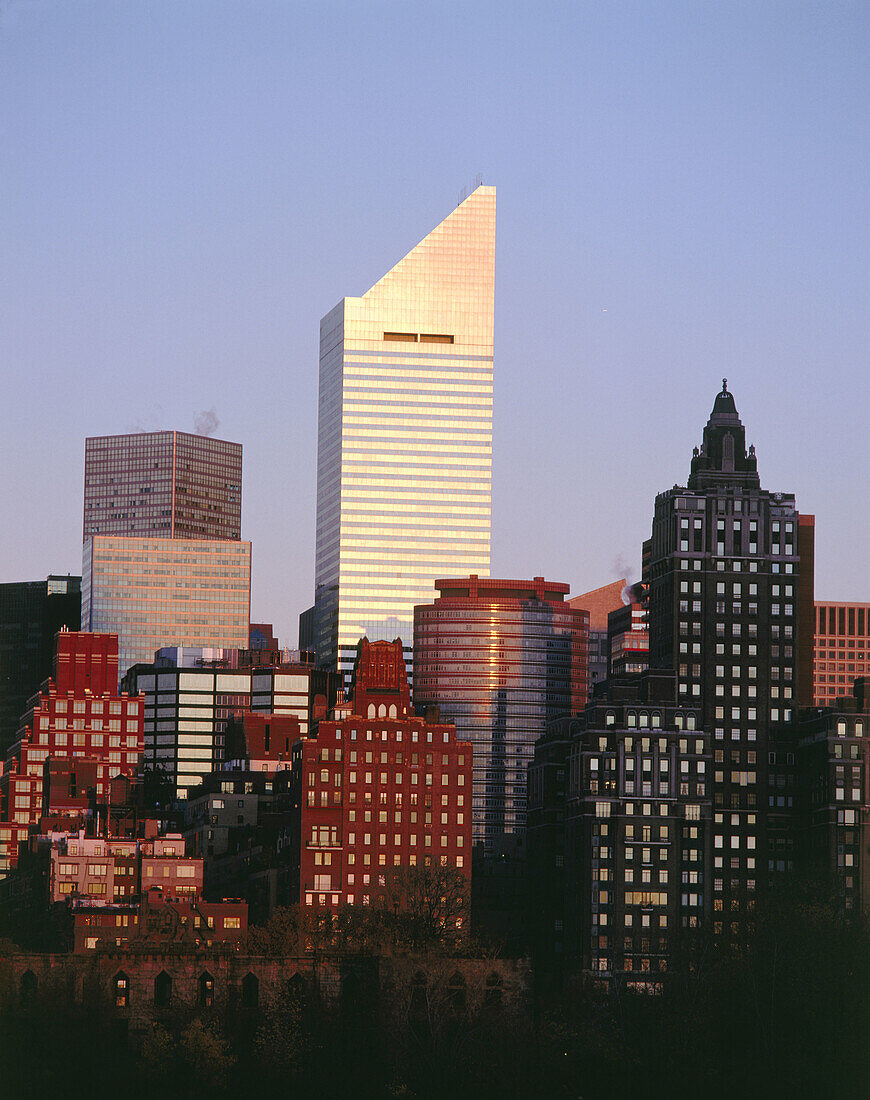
{"x": 28, "y": 987}
{"x": 419, "y": 999}
{"x": 296, "y": 988}
{"x": 250, "y": 991}
{"x": 206, "y": 989}
{"x": 382, "y": 710}
{"x": 456, "y": 989}
{"x": 121, "y": 990}
{"x": 372, "y": 711}
{"x": 393, "y": 711}
{"x": 493, "y": 994}
{"x": 163, "y": 990}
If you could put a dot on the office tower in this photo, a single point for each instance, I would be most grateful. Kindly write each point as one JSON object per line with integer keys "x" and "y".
{"x": 501, "y": 659}
{"x": 155, "y": 592}
{"x": 31, "y": 613}
{"x": 841, "y": 649}
{"x": 620, "y": 835}
{"x": 78, "y": 714}
{"x": 162, "y": 562}
{"x": 378, "y": 788}
{"x": 166, "y": 484}
{"x": 723, "y": 572}
{"x": 599, "y": 602}
{"x": 404, "y": 450}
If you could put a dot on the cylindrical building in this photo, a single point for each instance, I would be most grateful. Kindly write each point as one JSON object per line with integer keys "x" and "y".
{"x": 501, "y": 658}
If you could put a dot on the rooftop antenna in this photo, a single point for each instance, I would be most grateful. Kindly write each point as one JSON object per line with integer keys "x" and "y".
{"x": 466, "y": 191}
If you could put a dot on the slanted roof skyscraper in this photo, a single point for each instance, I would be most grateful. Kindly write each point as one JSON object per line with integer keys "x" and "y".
{"x": 404, "y": 451}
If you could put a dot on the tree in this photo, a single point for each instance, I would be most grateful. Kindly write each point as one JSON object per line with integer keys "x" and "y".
{"x": 429, "y": 903}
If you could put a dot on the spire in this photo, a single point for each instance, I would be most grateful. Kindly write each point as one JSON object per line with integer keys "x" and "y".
{"x": 723, "y": 458}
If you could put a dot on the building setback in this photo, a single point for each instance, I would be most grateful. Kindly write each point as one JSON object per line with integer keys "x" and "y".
{"x": 841, "y": 650}
{"x": 404, "y": 451}
{"x": 501, "y": 659}
{"x": 378, "y": 789}
{"x": 599, "y": 602}
{"x": 162, "y": 560}
{"x": 726, "y": 592}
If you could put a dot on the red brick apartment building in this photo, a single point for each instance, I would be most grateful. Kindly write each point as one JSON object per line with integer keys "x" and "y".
{"x": 78, "y": 715}
{"x": 379, "y": 788}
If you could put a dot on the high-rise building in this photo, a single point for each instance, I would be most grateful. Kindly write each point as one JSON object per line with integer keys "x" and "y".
{"x": 155, "y": 592}
{"x": 501, "y": 659}
{"x": 162, "y": 562}
{"x": 166, "y": 484}
{"x": 725, "y": 584}
{"x": 378, "y": 789}
{"x": 841, "y": 650}
{"x": 404, "y": 451}
{"x": 31, "y": 613}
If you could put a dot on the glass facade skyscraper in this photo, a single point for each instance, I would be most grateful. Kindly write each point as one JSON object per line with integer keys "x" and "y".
{"x": 404, "y": 452}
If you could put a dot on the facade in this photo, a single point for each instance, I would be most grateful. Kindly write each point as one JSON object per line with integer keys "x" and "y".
{"x": 501, "y": 659}
{"x": 599, "y": 602}
{"x": 627, "y": 640}
{"x": 726, "y": 589}
{"x": 163, "y": 485}
{"x": 833, "y": 768}
{"x": 77, "y": 715}
{"x": 633, "y": 845}
{"x": 155, "y": 592}
{"x": 404, "y": 452}
{"x": 841, "y": 649}
{"x": 378, "y": 789}
{"x": 31, "y": 613}
{"x": 187, "y": 711}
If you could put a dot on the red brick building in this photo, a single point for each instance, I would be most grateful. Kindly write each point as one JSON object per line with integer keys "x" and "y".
{"x": 78, "y": 716}
{"x": 379, "y": 788}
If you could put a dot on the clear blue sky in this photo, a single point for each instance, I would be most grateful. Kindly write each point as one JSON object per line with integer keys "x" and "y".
{"x": 187, "y": 187}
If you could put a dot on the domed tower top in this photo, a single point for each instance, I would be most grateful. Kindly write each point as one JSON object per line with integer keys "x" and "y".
{"x": 723, "y": 458}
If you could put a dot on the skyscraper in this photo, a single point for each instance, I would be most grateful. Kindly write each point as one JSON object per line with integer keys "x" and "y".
{"x": 167, "y": 484}
{"x": 162, "y": 562}
{"x": 726, "y": 589}
{"x": 404, "y": 452}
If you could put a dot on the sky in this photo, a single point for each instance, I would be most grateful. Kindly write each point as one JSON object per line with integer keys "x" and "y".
{"x": 188, "y": 186}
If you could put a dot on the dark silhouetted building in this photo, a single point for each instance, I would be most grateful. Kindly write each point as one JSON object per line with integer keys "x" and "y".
{"x": 725, "y": 588}
{"x": 31, "y": 613}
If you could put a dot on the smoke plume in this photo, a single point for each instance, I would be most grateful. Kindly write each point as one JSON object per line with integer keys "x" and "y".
{"x": 206, "y": 422}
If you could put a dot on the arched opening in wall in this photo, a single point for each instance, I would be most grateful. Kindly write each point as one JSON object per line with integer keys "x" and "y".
{"x": 419, "y": 1001}
{"x": 121, "y": 990}
{"x": 372, "y": 711}
{"x": 493, "y": 995}
{"x": 250, "y": 991}
{"x": 28, "y": 987}
{"x": 296, "y": 990}
{"x": 162, "y": 990}
{"x": 457, "y": 992}
{"x": 382, "y": 710}
{"x": 206, "y": 990}
{"x": 393, "y": 711}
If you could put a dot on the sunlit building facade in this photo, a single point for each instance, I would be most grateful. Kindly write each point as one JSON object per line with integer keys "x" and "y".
{"x": 167, "y": 484}
{"x": 501, "y": 659}
{"x": 405, "y": 436}
{"x": 160, "y": 592}
{"x": 841, "y": 651}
